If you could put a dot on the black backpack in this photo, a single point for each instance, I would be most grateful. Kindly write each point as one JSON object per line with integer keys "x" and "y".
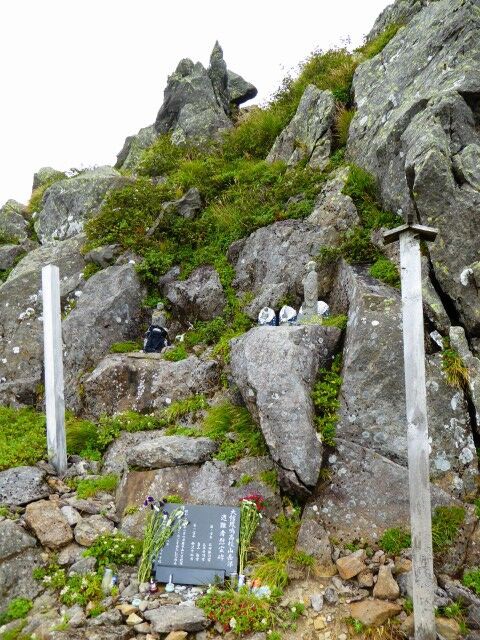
{"x": 156, "y": 339}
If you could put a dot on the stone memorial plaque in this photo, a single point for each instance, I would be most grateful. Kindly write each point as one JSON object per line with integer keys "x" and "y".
{"x": 204, "y": 551}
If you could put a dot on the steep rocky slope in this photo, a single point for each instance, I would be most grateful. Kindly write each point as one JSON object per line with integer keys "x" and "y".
{"x": 215, "y": 211}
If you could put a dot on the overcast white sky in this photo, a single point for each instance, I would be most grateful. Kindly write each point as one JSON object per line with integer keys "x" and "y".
{"x": 77, "y": 77}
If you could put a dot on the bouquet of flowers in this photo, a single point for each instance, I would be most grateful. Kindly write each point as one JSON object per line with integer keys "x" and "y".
{"x": 160, "y": 526}
{"x": 250, "y": 516}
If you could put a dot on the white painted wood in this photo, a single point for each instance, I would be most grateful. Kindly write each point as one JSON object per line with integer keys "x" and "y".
{"x": 417, "y": 425}
{"x": 53, "y": 357}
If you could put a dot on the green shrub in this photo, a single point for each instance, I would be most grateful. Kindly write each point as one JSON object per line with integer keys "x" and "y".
{"x": 471, "y": 579}
{"x": 81, "y": 437}
{"x": 455, "y": 370}
{"x": 162, "y": 157}
{"x": 90, "y": 269}
{"x": 227, "y": 418}
{"x": 385, "y": 270}
{"x": 89, "y": 487}
{"x": 394, "y": 540}
{"x": 375, "y": 46}
{"x": 343, "y": 119}
{"x": 446, "y": 523}
{"x": 23, "y": 439}
{"x": 16, "y": 609}
{"x": 114, "y": 549}
{"x": 126, "y": 347}
{"x": 325, "y": 398}
{"x": 176, "y": 353}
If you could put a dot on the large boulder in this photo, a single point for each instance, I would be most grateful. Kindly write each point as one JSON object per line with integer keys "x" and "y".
{"x": 21, "y": 485}
{"x": 145, "y": 382}
{"x": 19, "y": 554}
{"x": 416, "y": 129}
{"x": 108, "y": 311}
{"x": 46, "y": 175}
{"x": 399, "y": 12}
{"x": 155, "y": 450}
{"x": 199, "y": 297}
{"x": 275, "y": 369}
{"x": 239, "y": 90}
{"x": 174, "y": 617}
{"x": 9, "y": 255}
{"x": 13, "y": 222}
{"x": 270, "y": 263}
{"x": 21, "y": 342}
{"x": 48, "y": 523}
{"x": 372, "y": 399}
{"x": 365, "y": 495}
{"x": 308, "y": 136}
{"x": 68, "y": 203}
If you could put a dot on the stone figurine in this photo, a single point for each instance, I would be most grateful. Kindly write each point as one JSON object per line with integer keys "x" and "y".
{"x": 310, "y": 290}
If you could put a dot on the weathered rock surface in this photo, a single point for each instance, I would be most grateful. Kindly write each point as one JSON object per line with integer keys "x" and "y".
{"x": 108, "y": 311}
{"x": 351, "y": 506}
{"x": 372, "y": 411}
{"x": 133, "y": 147}
{"x": 199, "y": 297}
{"x": 107, "y": 632}
{"x": 373, "y": 612}
{"x": 21, "y": 341}
{"x": 16, "y": 580}
{"x": 145, "y": 381}
{"x": 239, "y": 90}
{"x": 154, "y": 450}
{"x": 190, "y": 110}
{"x": 386, "y": 587}
{"x": 88, "y": 529}
{"x": 9, "y": 254}
{"x": 49, "y": 524}
{"x": 13, "y": 539}
{"x": 46, "y": 174}
{"x": 104, "y": 256}
{"x": 13, "y": 223}
{"x": 308, "y": 136}
{"x": 21, "y": 485}
{"x": 68, "y": 203}
{"x": 275, "y": 370}
{"x": 416, "y": 129}
{"x": 334, "y": 211}
{"x": 399, "y": 12}
{"x": 350, "y": 566}
{"x": 313, "y": 539}
{"x": 172, "y": 618}
{"x": 212, "y": 483}
{"x": 459, "y": 342}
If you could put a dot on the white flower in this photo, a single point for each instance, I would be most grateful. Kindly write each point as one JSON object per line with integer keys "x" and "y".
{"x": 232, "y": 623}
{"x": 264, "y": 621}
{"x": 293, "y": 609}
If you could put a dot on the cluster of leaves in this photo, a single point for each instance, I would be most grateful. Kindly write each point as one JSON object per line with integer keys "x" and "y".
{"x": 455, "y": 369}
{"x": 74, "y": 589}
{"x": 325, "y": 398}
{"x": 471, "y": 579}
{"x": 16, "y": 609}
{"x": 446, "y": 523}
{"x": 114, "y": 549}
{"x": 273, "y": 570}
{"x": 242, "y": 612}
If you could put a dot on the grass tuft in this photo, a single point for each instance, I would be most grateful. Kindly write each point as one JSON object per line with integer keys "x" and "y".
{"x": 325, "y": 398}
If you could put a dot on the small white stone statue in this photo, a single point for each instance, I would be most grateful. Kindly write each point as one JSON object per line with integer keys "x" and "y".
{"x": 159, "y": 317}
{"x": 310, "y": 290}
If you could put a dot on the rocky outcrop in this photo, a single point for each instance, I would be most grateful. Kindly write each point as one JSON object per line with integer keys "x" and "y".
{"x": 19, "y": 555}
{"x": 416, "y": 129}
{"x": 68, "y": 203}
{"x": 196, "y": 107}
{"x": 274, "y": 369}
{"x": 270, "y": 263}
{"x": 108, "y": 311}
{"x": 199, "y": 297}
{"x": 372, "y": 409}
{"x": 21, "y": 343}
{"x": 46, "y": 175}
{"x": 397, "y": 13}
{"x": 145, "y": 382}
{"x": 49, "y": 524}
{"x": 9, "y": 255}
{"x": 308, "y": 136}
{"x": 352, "y": 506}
{"x": 13, "y": 222}
{"x": 155, "y": 450}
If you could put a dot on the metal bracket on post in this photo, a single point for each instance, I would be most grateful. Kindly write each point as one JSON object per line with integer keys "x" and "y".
{"x": 410, "y": 235}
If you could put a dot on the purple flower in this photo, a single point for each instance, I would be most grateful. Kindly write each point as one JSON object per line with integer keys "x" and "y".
{"x": 150, "y": 499}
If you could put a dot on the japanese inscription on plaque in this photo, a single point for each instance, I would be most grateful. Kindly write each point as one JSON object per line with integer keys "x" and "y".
{"x": 205, "y": 550}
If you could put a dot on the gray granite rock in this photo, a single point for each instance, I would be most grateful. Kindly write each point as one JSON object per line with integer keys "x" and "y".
{"x": 68, "y": 203}
{"x": 88, "y": 529}
{"x": 308, "y": 136}
{"x": 154, "y": 450}
{"x": 48, "y": 523}
{"x": 145, "y": 382}
{"x": 199, "y": 297}
{"x": 13, "y": 221}
{"x": 13, "y": 539}
{"x": 174, "y": 618}
{"x": 134, "y": 146}
{"x": 21, "y": 485}
{"x": 46, "y": 175}
{"x": 9, "y": 254}
{"x": 275, "y": 369}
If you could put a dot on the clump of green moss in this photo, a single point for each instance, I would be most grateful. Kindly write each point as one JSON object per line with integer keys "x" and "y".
{"x": 385, "y": 270}
{"x": 446, "y": 523}
{"x": 126, "y": 347}
{"x": 377, "y": 44}
{"x": 89, "y": 487}
{"x": 394, "y": 540}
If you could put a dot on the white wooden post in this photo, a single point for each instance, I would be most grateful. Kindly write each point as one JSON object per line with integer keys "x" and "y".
{"x": 53, "y": 357}
{"x": 417, "y": 425}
